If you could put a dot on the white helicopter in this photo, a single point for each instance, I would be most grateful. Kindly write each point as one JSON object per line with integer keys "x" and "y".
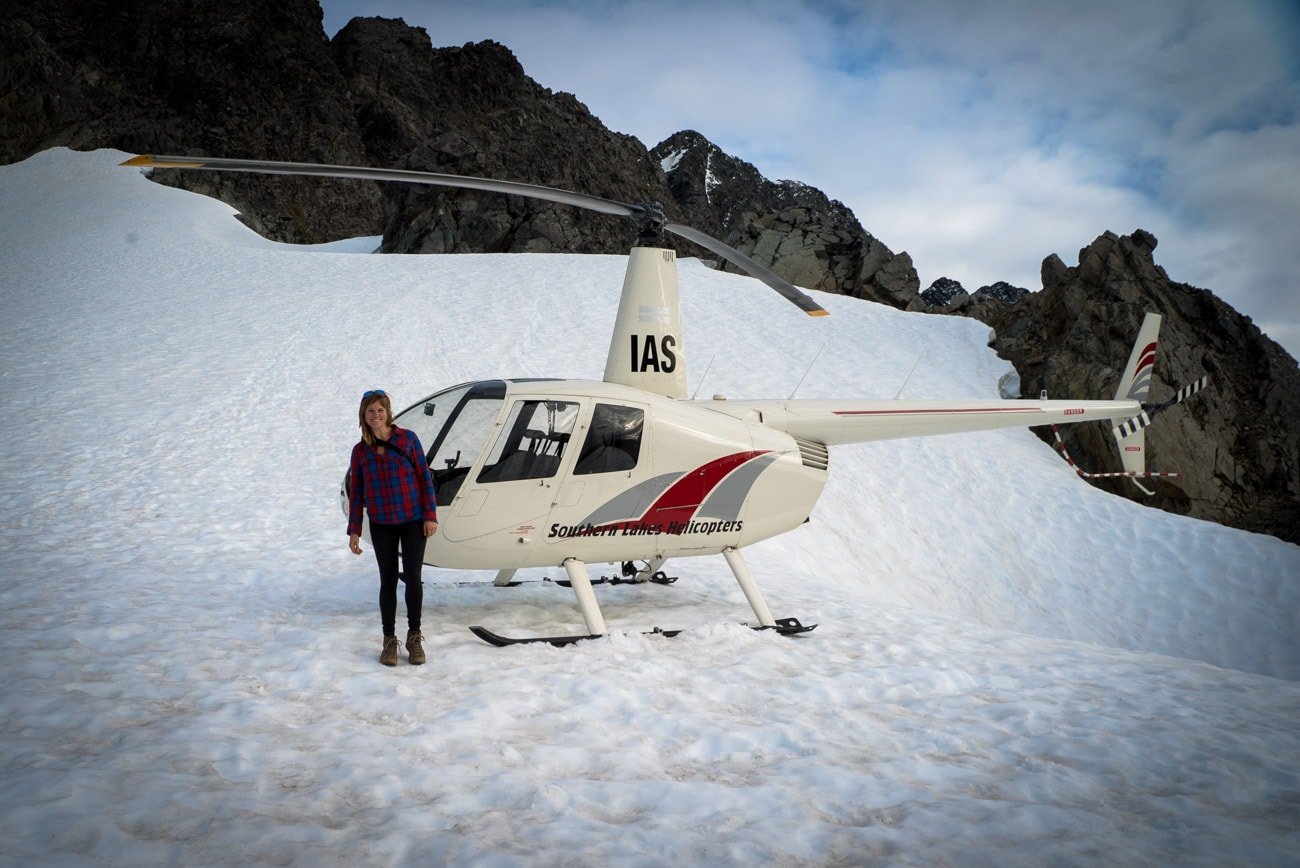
{"x": 626, "y": 470}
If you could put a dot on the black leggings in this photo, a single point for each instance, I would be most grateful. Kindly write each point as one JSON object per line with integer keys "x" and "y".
{"x": 385, "y": 538}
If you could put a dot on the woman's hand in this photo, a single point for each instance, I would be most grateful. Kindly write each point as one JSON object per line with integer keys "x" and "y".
{"x": 354, "y": 543}
{"x": 430, "y": 528}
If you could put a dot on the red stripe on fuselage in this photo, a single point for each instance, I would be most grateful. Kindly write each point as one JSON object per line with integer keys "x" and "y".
{"x": 937, "y": 411}
{"x": 683, "y": 497}
{"x": 676, "y": 506}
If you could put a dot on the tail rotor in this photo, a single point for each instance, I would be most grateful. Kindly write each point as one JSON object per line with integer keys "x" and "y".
{"x": 1150, "y": 411}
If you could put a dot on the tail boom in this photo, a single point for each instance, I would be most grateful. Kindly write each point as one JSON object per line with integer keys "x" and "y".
{"x": 839, "y": 422}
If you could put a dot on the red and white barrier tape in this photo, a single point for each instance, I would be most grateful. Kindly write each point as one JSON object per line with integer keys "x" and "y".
{"x": 1060, "y": 447}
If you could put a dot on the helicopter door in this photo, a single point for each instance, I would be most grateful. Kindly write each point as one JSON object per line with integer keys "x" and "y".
{"x": 609, "y": 483}
{"x": 514, "y": 488}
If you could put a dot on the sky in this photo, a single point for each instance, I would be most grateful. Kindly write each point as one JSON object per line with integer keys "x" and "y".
{"x": 979, "y": 137}
{"x": 1009, "y": 669}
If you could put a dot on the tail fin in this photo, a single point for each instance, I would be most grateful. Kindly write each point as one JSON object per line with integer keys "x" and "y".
{"x": 646, "y": 350}
{"x": 1135, "y": 385}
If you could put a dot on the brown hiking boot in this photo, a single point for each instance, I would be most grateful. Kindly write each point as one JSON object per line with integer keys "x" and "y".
{"x": 413, "y": 647}
{"x": 388, "y": 656}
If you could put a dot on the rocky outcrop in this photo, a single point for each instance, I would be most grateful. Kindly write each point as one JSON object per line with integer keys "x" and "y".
{"x": 188, "y": 76}
{"x": 805, "y": 237}
{"x": 1238, "y": 443}
{"x": 1001, "y": 292}
{"x": 947, "y": 296}
{"x": 944, "y": 293}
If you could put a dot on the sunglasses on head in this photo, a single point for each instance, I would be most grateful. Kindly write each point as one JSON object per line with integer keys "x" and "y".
{"x": 374, "y": 393}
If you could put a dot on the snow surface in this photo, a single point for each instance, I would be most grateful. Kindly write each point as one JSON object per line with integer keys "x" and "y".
{"x": 1011, "y": 668}
{"x": 670, "y": 162}
{"x": 711, "y": 181}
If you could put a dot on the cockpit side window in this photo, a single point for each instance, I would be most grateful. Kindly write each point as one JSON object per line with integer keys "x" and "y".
{"x": 532, "y": 442}
{"x": 613, "y": 441}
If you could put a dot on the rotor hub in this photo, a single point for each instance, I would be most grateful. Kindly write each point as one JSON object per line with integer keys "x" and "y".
{"x": 650, "y": 222}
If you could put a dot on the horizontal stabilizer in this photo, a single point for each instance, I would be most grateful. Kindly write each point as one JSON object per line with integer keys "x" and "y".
{"x": 1132, "y": 426}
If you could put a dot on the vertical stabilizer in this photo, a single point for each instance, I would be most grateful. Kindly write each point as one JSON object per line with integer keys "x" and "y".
{"x": 646, "y": 350}
{"x": 1135, "y": 385}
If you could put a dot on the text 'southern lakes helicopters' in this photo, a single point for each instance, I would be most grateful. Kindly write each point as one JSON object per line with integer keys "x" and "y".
{"x": 627, "y": 470}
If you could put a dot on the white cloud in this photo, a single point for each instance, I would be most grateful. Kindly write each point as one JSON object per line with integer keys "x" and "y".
{"x": 980, "y": 137}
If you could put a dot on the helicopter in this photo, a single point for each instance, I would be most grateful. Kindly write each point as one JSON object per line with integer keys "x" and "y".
{"x": 627, "y": 470}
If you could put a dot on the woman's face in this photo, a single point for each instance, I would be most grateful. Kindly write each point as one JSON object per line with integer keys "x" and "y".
{"x": 376, "y": 415}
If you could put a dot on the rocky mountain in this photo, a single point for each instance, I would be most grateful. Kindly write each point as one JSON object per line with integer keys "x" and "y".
{"x": 948, "y": 296}
{"x": 473, "y": 111}
{"x": 1237, "y": 443}
{"x": 943, "y": 293}
{"x": 238, "y": 79}
{"x": 1002, "y": 292}
{"x": 795, "y": 229}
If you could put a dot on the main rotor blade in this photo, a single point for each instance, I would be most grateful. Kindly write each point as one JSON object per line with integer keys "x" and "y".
{"x": 406, "y": 176}
{"x": 784, "y": 287}
{"x": 464, "y": 182}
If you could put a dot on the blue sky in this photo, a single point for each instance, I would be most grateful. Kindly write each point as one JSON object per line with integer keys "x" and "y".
{"x": 977, "y": 136}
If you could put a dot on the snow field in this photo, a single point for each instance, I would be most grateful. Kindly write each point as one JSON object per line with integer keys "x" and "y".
{"x": 1011, "y": 668}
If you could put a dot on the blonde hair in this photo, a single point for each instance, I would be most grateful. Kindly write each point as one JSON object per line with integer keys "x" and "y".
{"x": 367, "y": 437}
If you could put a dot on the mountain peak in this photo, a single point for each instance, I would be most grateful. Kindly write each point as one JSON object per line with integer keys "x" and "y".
{"x": 807, "y": 237}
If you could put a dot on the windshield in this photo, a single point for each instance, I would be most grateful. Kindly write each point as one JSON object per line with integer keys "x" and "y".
{"x": 453, "y": 426}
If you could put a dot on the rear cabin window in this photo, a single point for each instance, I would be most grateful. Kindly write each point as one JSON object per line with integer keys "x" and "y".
{"x": 613, "y": 442}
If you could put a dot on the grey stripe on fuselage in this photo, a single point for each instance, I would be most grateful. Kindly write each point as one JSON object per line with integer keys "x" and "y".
{"x": 727, "y": 499}
{"x": 633, "y": 502}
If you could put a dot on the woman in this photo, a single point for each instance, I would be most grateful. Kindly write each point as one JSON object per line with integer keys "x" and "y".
{"x": 390, "y": 477}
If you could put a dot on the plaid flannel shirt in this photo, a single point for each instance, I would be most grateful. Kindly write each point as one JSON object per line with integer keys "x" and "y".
{"x": 389, "y": 488}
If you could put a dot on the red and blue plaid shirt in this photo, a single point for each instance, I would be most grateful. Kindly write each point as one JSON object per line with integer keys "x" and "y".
{"x": 388, "y": 486}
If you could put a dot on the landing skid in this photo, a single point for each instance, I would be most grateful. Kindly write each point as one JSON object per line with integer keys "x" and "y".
{"x": 581, "y": 584}
{"x": 783, "y": 626}
{"x": 658, "y": 578}
{"x": 788, "y": 627}
{"x": 558, "y": 641}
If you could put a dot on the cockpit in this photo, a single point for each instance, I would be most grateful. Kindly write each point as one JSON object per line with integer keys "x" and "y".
{"x": 455, "y": 425}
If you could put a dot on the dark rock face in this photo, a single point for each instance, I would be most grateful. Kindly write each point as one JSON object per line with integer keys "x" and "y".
{"x": 189, "y": 76}
{"x": 1237, "y": 444}
{"x": 1001, "y": 291}
{"x": 947, "y": 296}
{"x": 795, "y": 229}
{"x": 944, "y": 292}
{"x": 473, "y": 111}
